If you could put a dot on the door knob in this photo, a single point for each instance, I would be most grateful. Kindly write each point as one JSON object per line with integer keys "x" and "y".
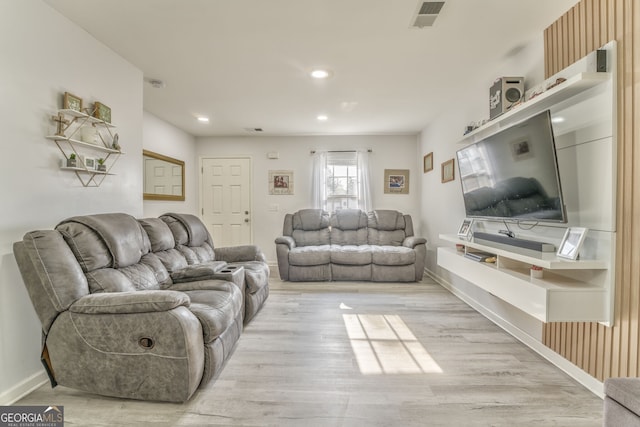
{"x": 246, "y": 220}
{"x": 246, "y": 212}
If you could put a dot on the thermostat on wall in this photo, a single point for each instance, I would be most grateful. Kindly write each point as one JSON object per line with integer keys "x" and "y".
{"x": 273, "y": 155}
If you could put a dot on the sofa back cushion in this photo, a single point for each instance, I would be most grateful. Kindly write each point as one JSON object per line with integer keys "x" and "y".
{"x": 349, "y": 227}
{"x": 191, "y": 237}
{"x": 310, "y": 227}
{"x": 386, "y": 228}
{"x": 163, "y": 244}
{"x": 113, "y": 251}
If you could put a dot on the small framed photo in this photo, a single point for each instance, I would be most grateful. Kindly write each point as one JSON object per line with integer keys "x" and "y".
{"x": 427, "y": 162}
{"x": 448, "y": 171}
{"x": 90, "y": 163}
{"x": 464, "y": 232}
{"x": 521, "y": 149}
{"x": 102, "y": 112}
{"x": 71, "y": 102}
{"x": 281, "y": 182}
{"x": 571, "y": 242}
{"x": 396, "y": 181}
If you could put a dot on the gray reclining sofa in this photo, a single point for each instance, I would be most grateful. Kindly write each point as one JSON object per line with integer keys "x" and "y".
{"x": 141, "y": 309}
{"x": 350, "y": 245}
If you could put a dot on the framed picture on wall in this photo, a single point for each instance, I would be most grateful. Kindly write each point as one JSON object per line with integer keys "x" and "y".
{"x": 448, "y": 170}
{"x": 71, "y": 102}
{"x": 396, "y": 181}
{"x": 427, "y": 162}
{"x": 281, "y": 182}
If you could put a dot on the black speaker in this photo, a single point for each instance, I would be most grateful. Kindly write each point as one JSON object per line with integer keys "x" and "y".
{"x": 505, "y": 93}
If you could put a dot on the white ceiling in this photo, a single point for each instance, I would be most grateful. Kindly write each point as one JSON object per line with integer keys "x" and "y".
{"x": 245, "y": 63}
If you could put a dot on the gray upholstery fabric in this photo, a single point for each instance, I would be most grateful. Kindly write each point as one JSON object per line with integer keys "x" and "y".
{"x": 136, "y": 309}
{"x": 622, "y": 402}
{"x": 377, "y": 246}
{"x": 160, "y": 235}
{"x": 121, "y": 234}
{"x": 351, "y": 254}
{"x": 216, "y": 309}
{"x": 310, "y": 255}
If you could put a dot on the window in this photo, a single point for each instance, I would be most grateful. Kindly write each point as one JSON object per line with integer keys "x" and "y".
{"x": 340, "y": 181}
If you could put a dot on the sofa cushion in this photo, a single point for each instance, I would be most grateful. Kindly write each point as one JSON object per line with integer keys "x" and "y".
{"x": 386, "y": 220}
{"x": 310, "y": 255}
{"x": 311, "y": 237}
{"x": 188, "y": 229}
{"x": 351, "y": 254}
{"x": 310, "y": 219}
{"x": 216, "y": 309}
{"x": 393, "y": 255}
{"x": 109, "y": 280}
{"x": 160, "y": 235}
{"x": 349, "y": 227}
{"x": 105, "y": 240}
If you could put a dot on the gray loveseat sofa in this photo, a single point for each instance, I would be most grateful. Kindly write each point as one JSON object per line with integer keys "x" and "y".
{"x": 141, "y": 309}
{"x": 350, "y": 245}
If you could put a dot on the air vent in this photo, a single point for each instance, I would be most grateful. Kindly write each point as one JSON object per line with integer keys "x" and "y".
{"x": 253, "y": 129}
{"x": 426, "y": 13}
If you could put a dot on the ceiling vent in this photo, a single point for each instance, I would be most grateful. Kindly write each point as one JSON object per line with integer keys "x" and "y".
{"x": 426, "y": 14}
{"x": 252, "y": 130}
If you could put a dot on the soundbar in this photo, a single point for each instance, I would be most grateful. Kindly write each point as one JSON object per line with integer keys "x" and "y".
{"x": 511, "y": 241}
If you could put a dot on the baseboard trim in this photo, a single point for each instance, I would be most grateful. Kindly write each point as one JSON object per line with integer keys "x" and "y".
{"x": 589, "y": 382}
{"x": 23, "y": 388}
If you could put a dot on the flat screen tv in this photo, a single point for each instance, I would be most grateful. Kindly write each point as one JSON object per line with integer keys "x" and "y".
{"x": 513, "y": 174}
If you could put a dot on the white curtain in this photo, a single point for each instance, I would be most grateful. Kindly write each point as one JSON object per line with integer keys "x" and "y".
{"x": 364, "y": 183}
{"x": 319, "y": 180}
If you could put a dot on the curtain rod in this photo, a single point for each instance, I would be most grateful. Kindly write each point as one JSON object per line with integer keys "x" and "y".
{"x": 369, "y": 150}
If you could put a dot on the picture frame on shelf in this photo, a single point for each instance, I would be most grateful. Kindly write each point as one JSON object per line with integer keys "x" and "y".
{"x": 102, "y": 112}
{"x": 396, "y": 181}
{"x": 464, "y": 232}
{"x": 71, "y": 102}
{"x": 89, "y": 163}
{"x": 448, "y": 171}
{"x": 427, "y": 162}
{"x": 281, "y": 182}
{"x": 572, "y": 242}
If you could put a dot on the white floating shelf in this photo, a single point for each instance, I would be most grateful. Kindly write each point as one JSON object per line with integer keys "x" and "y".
{"x": 83, "y": 144}
{"x": 565, "y": 90}
{"x": 547, "y": 260}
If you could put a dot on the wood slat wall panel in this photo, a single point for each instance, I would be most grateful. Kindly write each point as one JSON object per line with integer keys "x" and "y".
{"x": 608, "y": 351}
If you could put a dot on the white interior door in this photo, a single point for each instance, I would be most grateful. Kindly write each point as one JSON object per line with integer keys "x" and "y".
{"x": 226, "y": 200}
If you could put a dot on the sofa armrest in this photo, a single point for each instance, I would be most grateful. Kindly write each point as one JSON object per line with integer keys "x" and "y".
{"x": 130, "y": 302}
{"x": 240, "y": 253}
{"x": 286, "y": 240}
{"x": 412, "y": 242}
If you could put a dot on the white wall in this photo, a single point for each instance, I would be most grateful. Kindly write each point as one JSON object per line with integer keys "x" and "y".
{"x": 43, "y": 55}
{"x": 442, "y": 207}
{"x": 164, "y": 138}
{"x": 389, "y": 152}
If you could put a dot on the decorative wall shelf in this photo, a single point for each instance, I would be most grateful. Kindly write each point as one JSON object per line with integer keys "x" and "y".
{"x": 565, "y": 90}
{"x": 70, "y": 123}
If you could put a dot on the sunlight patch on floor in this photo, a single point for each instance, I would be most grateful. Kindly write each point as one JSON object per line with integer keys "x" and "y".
{"x": 384, "y": 344}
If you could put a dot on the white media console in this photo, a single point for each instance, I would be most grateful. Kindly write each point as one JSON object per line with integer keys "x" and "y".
{"x": 568, "y": 291}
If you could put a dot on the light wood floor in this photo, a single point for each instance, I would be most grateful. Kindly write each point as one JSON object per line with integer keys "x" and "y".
{"x": 361, "y": 354}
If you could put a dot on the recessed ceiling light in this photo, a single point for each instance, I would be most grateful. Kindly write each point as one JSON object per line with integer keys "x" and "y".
{"x": 320, "y": 74}
{"x": 323, "y": 117}
{"x": 203, "y": 119}
{"x": 557, "y": 119}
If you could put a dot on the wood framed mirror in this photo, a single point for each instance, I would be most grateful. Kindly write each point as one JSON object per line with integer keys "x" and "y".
{"x": 163, "y": 177}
